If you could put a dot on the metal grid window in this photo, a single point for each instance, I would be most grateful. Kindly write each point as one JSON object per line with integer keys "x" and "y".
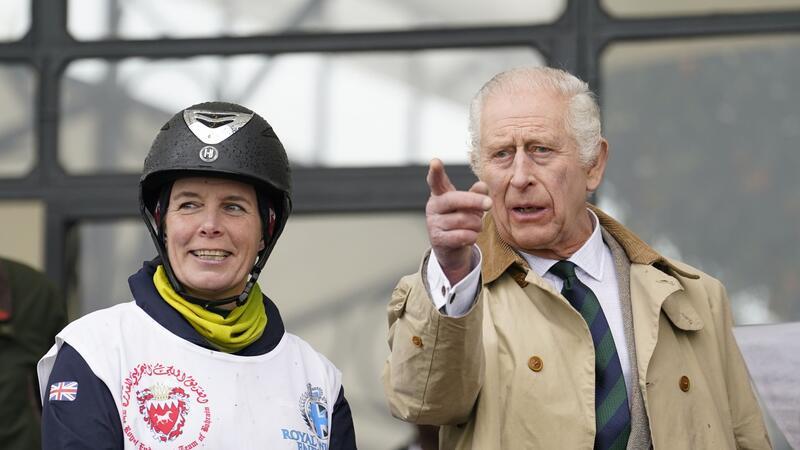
{"x": 61, "y": 59}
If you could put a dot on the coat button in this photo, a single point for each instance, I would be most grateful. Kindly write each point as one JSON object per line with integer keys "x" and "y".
{"x": 684, "y": 383}
{"x": 417, "y": 341}
{"x": 535, "y": 364}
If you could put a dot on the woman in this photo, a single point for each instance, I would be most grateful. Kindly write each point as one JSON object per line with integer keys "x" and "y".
{"x": 199, "y": 358}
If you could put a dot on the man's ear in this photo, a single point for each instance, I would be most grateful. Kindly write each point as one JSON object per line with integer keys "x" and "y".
{"x": 594, "y": 173}
{"x": 261, "y": 245}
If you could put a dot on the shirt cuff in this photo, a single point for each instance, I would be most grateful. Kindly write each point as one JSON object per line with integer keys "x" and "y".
{"x": 455, "y": 300}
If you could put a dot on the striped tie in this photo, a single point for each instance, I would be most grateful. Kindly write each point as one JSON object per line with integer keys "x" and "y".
{"x": 611, "y": 398}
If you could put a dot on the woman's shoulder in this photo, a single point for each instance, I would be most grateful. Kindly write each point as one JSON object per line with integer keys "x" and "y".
{"x": 102, "y": 319}
{"x": 308, "y": 351}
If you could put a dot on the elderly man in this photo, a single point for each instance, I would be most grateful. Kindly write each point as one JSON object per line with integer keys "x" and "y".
{"x": 546, "y": 323}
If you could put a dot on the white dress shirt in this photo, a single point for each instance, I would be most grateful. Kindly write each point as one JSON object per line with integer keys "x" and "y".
{"x": 595, "y": 269}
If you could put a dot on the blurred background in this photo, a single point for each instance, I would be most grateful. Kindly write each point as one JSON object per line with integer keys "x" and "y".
{"x": 699, "y": 105}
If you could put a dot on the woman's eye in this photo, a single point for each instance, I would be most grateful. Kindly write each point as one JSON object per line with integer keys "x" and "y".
{"x": 187, "y": 205}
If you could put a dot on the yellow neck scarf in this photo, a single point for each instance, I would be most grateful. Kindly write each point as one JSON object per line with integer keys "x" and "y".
{"x": 243, "y": 326}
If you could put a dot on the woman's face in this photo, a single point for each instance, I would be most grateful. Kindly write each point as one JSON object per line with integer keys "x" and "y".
{"x": 213, "y": 235}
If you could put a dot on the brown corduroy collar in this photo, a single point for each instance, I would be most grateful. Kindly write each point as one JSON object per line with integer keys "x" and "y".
{"x": 499, "y": 256}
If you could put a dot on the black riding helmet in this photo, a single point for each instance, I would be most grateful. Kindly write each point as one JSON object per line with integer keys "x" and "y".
{"x": 217, "y": 139}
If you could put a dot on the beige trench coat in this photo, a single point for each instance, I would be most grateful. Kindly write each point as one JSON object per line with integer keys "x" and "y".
{"x": 517, "y": 371}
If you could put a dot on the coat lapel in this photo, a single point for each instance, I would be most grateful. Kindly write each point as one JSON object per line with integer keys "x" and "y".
{"x": 650, "y": 288}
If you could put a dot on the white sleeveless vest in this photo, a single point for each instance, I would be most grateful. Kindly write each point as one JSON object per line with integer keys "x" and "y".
{"x": 172, "y": 394}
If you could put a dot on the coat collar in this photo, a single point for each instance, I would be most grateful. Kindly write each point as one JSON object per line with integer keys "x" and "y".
{"x": 500, "y": 257}
{"x": 651, "y": 273}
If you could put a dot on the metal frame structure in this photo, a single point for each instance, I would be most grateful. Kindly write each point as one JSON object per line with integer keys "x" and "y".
{"x": 574, "y": 42}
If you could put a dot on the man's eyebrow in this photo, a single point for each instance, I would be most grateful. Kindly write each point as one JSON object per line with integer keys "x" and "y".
{"x": 538, "y": 139}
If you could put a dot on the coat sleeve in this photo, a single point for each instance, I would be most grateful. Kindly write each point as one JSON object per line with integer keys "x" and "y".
{"x": 91, "y": 420}
{"x": 748, "y": 423}
{"x": 436, "y": 366}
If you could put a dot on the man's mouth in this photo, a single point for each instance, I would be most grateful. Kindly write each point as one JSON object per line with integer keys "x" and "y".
{"x": 211, "y": 255}
{"x": 528, "y": 209}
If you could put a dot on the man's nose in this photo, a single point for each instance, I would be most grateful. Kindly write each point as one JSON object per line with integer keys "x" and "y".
{"x": 522, "y": 173}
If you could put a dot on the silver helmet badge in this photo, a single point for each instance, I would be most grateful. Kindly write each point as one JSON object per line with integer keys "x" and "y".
{"x": 213, "y": 127}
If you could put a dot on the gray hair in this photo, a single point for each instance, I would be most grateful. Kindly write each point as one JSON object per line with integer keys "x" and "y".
{"x": 583, "y": 113}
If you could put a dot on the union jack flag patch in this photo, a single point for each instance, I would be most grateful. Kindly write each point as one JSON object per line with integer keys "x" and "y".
{"x": 64, "y": 391}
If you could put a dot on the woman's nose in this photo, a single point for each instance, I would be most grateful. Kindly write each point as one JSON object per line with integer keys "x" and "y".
{"x": 211, "y": 224}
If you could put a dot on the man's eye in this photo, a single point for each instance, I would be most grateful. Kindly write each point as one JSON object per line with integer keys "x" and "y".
{"x": 502, "y": 154}
{"x": 234, "y": 207}
{"x": 187, "y": 205}
{"x": 541, "y": 150}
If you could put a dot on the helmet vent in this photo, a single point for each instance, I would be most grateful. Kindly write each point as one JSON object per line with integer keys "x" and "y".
{"x": 213, "y": 127}
{"x": 214, "y": 124}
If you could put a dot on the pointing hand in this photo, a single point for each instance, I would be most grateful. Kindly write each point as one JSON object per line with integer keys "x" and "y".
{"x": 454, "y": 219}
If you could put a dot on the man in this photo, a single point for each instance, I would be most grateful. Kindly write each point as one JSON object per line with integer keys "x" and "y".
{"x": 546, "y": 323}
{"x": 31, "y": 313}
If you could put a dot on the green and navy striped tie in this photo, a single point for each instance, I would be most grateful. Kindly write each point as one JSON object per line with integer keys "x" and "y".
{"x": 611, "y": 397}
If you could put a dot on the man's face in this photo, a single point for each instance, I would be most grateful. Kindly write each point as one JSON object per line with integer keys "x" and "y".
{"x": 536, "y": 180}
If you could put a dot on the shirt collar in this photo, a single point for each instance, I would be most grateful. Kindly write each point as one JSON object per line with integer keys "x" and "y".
{"x": 589, "y": 257}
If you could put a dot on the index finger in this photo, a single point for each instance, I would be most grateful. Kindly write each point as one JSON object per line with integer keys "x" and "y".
{"x": 437, "y": 178}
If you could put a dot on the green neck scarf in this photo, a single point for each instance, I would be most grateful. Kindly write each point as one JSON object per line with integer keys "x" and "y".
{"x": 242, "y": 326}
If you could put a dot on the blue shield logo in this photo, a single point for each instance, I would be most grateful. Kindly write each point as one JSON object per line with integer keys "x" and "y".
{"x": 318, "y": 415}
{"x": 314, "y": 408}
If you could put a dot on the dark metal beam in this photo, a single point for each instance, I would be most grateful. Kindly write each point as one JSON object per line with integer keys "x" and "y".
{"x": 316, "y": 190}
{"x": 608, "y": 29}
{"x": 314, "y": 42}
{"x": 575, "y": 42}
